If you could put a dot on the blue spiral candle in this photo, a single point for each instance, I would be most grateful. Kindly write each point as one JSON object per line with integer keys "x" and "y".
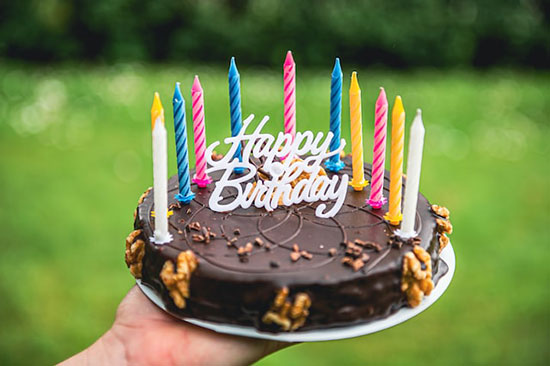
{"x": 235, "y": 107}
{"x": 334, "y": 164}
{"x": 185, "y": 195}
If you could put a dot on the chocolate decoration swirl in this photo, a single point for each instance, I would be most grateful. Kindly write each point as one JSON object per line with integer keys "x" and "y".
{"x": 234, "y": 288}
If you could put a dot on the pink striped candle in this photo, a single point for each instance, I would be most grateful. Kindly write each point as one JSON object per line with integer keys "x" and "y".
{"x": 289, "y": 89}
{"x": 376, "y": 199}
{"x": 201, "y": 178}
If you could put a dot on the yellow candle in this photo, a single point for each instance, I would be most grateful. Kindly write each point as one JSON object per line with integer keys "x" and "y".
{"x": 394, "y": 216}
{"x": 358, "y": 181}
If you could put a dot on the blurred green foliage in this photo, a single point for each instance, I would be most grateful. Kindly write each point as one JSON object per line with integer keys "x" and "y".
{"x": 75, "y": 155}
{"x": 389, "y": 32}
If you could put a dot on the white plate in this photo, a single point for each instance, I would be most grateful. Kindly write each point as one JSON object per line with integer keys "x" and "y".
{"x": 400, "y": 316}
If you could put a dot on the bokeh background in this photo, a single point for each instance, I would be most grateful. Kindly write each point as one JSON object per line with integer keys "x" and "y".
{"x": 76, "y": 85}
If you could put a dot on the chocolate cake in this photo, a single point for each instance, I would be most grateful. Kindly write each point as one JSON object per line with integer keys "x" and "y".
{"x": 287, "y": 270}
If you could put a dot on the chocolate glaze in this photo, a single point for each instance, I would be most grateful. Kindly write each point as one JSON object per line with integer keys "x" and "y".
{"x": 228, "y": 290}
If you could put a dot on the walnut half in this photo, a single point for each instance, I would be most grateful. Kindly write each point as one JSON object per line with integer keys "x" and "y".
{"x": 135, "y": 250}
{"x": 444, "y": 226}
{"x": 417, "y": 281}
{"x": 441, "y": 211}
{"x": 289, "y": 316}
{"x": 177, "y": 282}
{"x": 443, "y": 242}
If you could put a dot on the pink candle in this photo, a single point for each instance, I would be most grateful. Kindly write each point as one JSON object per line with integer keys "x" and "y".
{"x": 376, "y": 199}
{"x": 289, "y": 87}
{"x": 201, "y": 178}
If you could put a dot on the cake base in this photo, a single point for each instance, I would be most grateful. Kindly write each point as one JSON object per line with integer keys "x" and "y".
{"x": 330, "y": 334}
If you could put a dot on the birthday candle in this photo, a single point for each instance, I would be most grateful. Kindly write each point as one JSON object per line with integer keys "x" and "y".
{"x": 376, "y": 198}
{"x": 394, "y": 215}
{"x": 289, "y": 91}
{"x": 185, "y": 195}
{"x": 334, "y": 164}
{"x": 358, "y": 181}
{"x": 201, "y": 178}
{"x": 235, "y": 107}
{"x": 414, "y": 163}
{"x": 160, "y": 173}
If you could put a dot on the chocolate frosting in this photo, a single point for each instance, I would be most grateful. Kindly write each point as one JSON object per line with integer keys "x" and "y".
{"x": 235, "y": 289}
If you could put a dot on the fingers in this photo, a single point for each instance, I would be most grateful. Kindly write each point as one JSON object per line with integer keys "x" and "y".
{"x": 149, "y": 332}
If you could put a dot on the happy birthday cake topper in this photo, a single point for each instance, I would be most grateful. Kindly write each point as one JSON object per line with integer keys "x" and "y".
{"x": 285, "y": 170}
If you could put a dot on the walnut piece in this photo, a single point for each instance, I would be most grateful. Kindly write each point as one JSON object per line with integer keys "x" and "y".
{"x": 417, "y": 282}
{"x": 215, "y": 156}
{"x": 177, "y": 282}
{"x": 441, "y": 211}
{"x": 135, "y": 250}
{"x": 286, "y": 314}
{"x": 443, "y": 242}
{"x": 444, "y": 226}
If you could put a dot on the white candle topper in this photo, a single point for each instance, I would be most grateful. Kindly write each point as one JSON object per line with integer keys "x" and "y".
{"x": 267, "y": 193}
{"x": 160, "y": 175}
{"x": 414, "y": 163}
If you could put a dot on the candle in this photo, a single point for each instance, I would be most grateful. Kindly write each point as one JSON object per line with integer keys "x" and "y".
{"x": 235, "y": 107}
{"x": 358, "y": 181}
{"x": 334, "y": 164}
{"x": 185, "y": 195}
{"x": 201, "y": 178}
{"x": 160, "y": 173}
{"x": 289, "y": 89}
{"x": 376, "y": 198}
{"x": 394, "y": 215}
{"x": 412, "y": 182}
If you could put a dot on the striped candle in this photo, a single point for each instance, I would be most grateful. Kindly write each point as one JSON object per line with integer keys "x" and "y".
{"x": 376, "y": 199}
{"x": 178, "y": 103}
{"x": 358, "y": 181}
{"x": 334, "y": 164}
{"x": 235, "y": 107}
{"x": 289, "y": 91}
{"x": 201, "y": 178}
{"x": 394, "y": 215}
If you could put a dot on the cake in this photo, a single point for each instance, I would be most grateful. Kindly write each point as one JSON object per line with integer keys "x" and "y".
{"x": 287, "y": 269}
{"x": 266, "y": 238}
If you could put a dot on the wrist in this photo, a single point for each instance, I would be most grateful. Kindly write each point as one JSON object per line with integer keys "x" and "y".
{"x": 107, "y": 350}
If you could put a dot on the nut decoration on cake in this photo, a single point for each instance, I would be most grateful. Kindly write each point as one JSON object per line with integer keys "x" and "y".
{"x": 177, "y": 280}
{"x": 444, "y": 226}
{"x": 283, "y": 233}
{"x": 417, "y": 275}
{"x": 135, "y": 250}
{"x": 286, "y": 314}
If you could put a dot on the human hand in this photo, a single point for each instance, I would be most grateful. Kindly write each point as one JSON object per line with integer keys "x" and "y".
{"x": 144, "y": 334}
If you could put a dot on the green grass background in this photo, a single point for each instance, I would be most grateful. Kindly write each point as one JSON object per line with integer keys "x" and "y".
{"x": 75, "y": 155}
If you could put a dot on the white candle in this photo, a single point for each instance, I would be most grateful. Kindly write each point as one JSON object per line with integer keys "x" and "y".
{"x": 414, "y": 163}
{"x": 160, "y": 175}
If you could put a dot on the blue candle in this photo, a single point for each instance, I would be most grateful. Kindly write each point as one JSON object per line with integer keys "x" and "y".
{"x": 334, "y": 164}
{"x": 185, "y": 195}
{"x": 235, "y": 107}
